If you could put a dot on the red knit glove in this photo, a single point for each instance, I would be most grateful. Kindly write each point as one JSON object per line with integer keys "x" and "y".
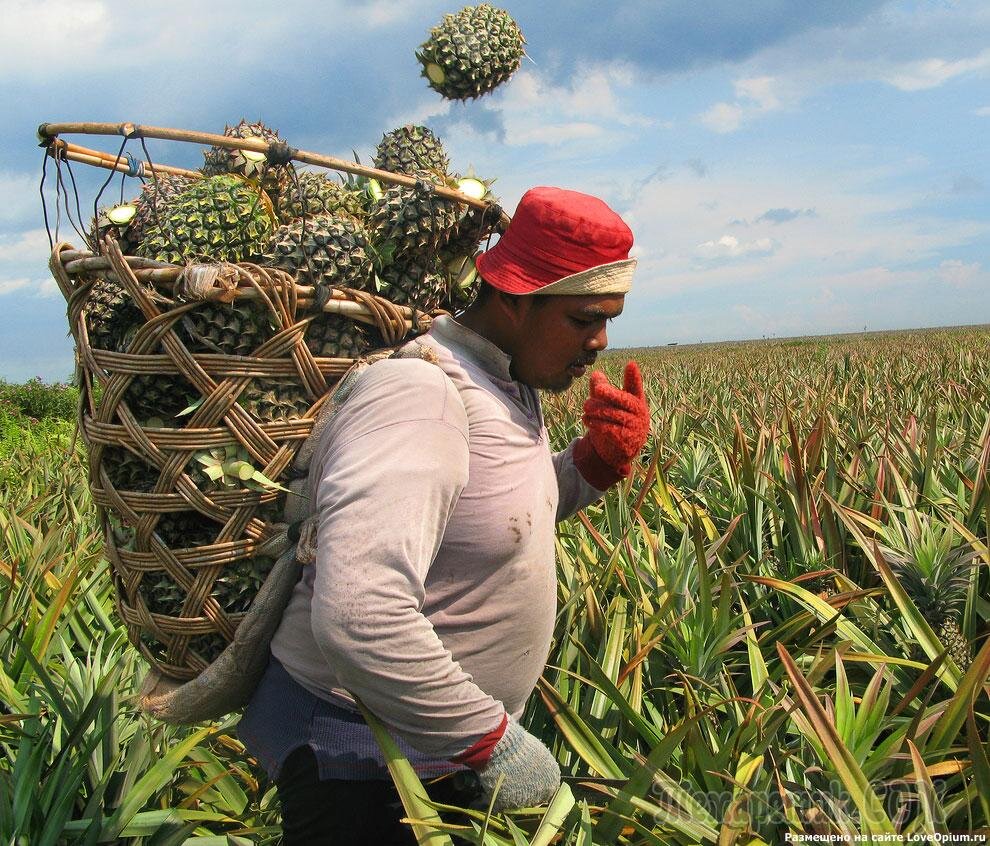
{"x": 618, "y": 422}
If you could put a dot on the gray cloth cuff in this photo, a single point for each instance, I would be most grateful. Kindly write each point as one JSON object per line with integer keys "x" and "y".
{"x": 532, "y": 776}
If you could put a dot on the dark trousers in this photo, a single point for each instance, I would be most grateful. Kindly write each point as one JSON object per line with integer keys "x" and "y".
{"x": 336, "y": 812}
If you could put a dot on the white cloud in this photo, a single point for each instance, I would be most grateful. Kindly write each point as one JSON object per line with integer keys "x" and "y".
{"x": 730, "y": 246}
{"x": 555, "y": 134}
{"x": 911, "y": 46}
{"x": 983, "y": 111}
{"x": 44, "y": 288}
{"x": 755, "y": 96}
{"x": 44, "y": 37}
{"x": 29, "y": 246}
{"x": 421, "y": 112}
{"x": 931, "y": 73}
{"x": 723, "y": 117}
{"x": 761, "y": 90}
{"x": 751, "y": 321}
{"x": 8, "y": 286}
{"x": 536, "y": 111}
{"x": 19, "y": 192}
{"x": 875, "y": 278}
{"x": 22, "y": 256}
{"x": 959, "y": 274}
{"x": 859, "y": 235}
{"x": 389, "y": 12}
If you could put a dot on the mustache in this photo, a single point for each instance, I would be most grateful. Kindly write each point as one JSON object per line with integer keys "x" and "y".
{"x": 586, "y": 361}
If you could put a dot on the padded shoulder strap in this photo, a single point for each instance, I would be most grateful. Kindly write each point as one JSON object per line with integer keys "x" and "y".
{"x": 342, "y": 390}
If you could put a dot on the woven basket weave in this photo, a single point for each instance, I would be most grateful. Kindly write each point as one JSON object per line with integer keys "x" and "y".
{"x": 243, "y": 517}
{"x": 246, "y": 520}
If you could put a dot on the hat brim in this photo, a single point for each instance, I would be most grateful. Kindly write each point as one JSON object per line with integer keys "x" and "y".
{"x": 612, "y": 278}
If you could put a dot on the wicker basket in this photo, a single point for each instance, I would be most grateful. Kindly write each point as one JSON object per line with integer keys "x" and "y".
{"x": 246, "y": 519}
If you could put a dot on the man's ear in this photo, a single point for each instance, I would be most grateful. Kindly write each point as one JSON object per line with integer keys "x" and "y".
{"x": 513, "y": 307}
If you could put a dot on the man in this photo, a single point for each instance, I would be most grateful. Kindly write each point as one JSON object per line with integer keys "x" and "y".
{"x": 432, "y": 598}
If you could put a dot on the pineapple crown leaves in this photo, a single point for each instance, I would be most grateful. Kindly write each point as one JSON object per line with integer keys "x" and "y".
{"x": 366, "y": 186}
{"x": 932, "y": 566}
{"x": 230, "y": 466}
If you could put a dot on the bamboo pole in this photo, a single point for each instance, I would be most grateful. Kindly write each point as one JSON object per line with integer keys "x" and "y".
{"x": 49, "y": 131}
{"x": 60, "y": 149}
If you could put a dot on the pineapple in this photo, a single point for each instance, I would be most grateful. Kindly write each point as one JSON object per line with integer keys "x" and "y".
{"x": 463, "y": 283}
{"x": 152, "y": 206}
{"x": 271, "y": 400}
{"x": 935, "y": 575}
{"x": 409, "y": 149}
{"x": 336, "y": 336}
{"x": 110, "y": 315}
{"x": 421, "y": 285}
{"x": 234, "y": 590}
{"x": 470, "y": 53}
{"x": 315, "y": 194}
{"x": 127, "y": 471}
{"x": 412, "y": 223}
{"x": 324, "y": 250}
{"x": 161, "y": 396}
{"x": 236, "y": 328}
{"x": 474, "y": 228}
{"x": 273, "y": 179}
{"x": 186, "y": 529}
{"x": 113, "y": 223}
{"x": 112, "y": 319}
{"x": 221, "y": 218}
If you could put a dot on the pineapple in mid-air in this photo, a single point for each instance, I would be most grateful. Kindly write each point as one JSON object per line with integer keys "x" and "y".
{"x": 935, "y": 573}
{"x": 471, "y": 52}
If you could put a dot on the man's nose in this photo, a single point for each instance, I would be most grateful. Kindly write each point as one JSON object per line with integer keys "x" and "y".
{"x": 598, "y": 341}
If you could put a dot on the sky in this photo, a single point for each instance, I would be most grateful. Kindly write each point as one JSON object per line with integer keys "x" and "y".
{"x": 787, "y": 168}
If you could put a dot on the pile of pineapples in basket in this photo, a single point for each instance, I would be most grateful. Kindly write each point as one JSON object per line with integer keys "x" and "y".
{"x": 402, "y": 243}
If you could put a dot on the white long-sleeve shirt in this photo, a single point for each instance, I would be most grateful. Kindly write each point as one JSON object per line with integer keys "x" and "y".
{"x": 433, "y": 595}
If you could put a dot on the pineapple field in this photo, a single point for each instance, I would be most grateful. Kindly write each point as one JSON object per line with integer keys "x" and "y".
{"x": 775, "y": 630}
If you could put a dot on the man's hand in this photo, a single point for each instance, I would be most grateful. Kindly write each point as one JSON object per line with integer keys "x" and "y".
{"x": 531, "y": 773}
{"x": 618, "y": 422}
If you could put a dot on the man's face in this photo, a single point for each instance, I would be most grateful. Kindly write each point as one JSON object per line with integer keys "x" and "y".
{"x": 558, "y": 337}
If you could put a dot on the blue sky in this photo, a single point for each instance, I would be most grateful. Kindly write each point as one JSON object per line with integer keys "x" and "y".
{"x": 787, "y": 168}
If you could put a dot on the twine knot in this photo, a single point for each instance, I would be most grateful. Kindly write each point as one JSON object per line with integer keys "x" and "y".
{"x": 134, "y": 167}
{"x": 280, "y": 154}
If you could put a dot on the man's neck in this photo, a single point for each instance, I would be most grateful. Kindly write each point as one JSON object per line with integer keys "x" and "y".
{"x": 479, "y": 321}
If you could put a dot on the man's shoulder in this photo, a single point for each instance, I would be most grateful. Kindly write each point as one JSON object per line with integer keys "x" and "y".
{"x": 406, "y": 389}
{"x": 403, "y": 374}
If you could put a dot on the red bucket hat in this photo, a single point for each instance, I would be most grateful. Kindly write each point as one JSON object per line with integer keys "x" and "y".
{"x": 561, "y": 242}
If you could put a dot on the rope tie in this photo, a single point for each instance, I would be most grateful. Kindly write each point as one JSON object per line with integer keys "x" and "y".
{"x": 134, "y": 167}
{"x": 280, "y": 154}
